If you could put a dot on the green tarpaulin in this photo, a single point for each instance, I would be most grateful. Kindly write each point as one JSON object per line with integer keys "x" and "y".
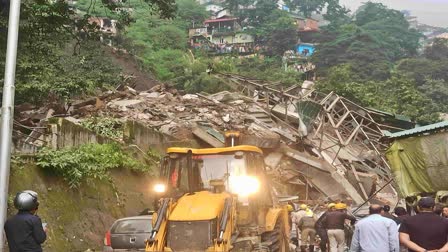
{"x": 420, "y": 164}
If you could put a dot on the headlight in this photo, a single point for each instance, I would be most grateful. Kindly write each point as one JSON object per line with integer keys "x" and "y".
{"x": 159, "y": 188}
{"x": 244, "y": 185}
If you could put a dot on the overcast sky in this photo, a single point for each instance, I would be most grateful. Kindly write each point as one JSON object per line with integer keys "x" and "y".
{"x": 431, "y": 12}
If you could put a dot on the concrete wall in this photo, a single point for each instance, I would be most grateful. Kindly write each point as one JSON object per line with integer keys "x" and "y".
{"x": 65, "y": 133}
{"x": 147, "y": 138}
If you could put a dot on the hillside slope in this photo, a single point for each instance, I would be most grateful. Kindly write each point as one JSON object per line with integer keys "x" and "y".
{"x": 78, "y": 219}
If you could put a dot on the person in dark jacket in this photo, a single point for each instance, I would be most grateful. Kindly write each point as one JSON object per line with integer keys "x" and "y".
{"x": 401, "y": 214}
{"x": 321, "y": 229}
{"x": 386, "y": 213}
{"x": 24, "y": 231}
{"x": 425, "y": 231}
{"x": 334, "y": 223}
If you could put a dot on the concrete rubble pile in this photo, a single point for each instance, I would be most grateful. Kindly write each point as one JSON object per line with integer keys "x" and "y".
{"x": 205, "y": 117}
{"x": 297, "y": 165}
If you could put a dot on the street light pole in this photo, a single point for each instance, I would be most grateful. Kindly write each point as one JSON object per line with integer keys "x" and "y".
{"x": 8, "y": 112}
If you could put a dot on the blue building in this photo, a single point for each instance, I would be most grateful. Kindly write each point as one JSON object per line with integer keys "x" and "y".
{"x": 305, "y": 49}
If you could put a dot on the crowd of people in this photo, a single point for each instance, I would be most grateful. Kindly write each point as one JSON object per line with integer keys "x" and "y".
{"x": 335, "y": 230}
{"x": 380, "y": 231}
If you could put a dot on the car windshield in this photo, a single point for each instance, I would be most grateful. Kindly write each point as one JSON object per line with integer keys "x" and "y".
{"x": 133, "y": 226}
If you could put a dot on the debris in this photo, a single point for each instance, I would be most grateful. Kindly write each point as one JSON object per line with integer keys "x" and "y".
{"x": 273, "y": 159}
{"x": 216, "y": 134}
{"x": 329, "y": 136}
{"x": 190, "y": 97}
{"x": 168, "y": 128}
{"x": 180, "y": 108}
{"x": 99, "y": 104}
{"x": 226, "y": 118}
{"x": 131, "y": 90}
{"x": 207, "y": 138}
{"x": 150, "y": 95}
{"x": 79, "y": 104}
{"x": 203, "y": 110}
{"x": 124, "y": 104}
{"x": 224, "y": 96}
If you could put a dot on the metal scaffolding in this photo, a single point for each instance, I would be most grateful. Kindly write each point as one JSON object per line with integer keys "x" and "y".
{"x": 340, "y": 132}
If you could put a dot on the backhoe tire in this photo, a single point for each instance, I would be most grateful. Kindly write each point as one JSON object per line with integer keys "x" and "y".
{"x": 277, "y": 238}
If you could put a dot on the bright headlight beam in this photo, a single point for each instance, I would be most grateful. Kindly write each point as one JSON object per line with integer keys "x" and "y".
{"x": 244, "y": 185}
{"x": 159, "y": 188}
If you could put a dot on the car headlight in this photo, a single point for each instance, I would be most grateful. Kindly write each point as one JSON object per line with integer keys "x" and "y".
{"x": 159, "y": 188}
{"x": 244, "y": 185}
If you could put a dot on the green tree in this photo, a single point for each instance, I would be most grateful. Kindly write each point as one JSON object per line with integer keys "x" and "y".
{"x": 370, "y": 43}
{"x": 307, "y": 7}
{"x": 51, "y": 62}
{"x": 337, "y": 15}
{"x": 421, "y": 69}
{"x": 281, "y": 32}
{"x": 191, "y": 13}
{"x": 438, "y": 50}
{"x": 397, "y": 94}
{"x": 167, "y": 37}
{"x": 258, "y": 16}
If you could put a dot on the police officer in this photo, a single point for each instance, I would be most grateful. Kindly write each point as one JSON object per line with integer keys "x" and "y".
{"x": 24, "y": 230}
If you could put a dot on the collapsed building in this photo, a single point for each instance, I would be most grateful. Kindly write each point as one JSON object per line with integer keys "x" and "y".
{"x": 319, "y": 147}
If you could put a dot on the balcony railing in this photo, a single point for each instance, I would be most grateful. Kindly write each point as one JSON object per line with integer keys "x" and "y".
{"x": 223, "y": 30}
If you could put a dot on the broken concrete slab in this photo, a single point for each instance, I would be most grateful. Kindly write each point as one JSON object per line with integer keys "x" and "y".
{"x": 190, "y": 97}
{"x": 305, "y": 158}
{"x": 224, "y": 96}
{"x": 324, "y": 166}
{"x": 216, "y": 134}
{"x": 267, "y": 143}
{"x": 260, "y": 137}
{"x": 273, "y": 159}
{"x": 285, "y": 134}
{"x": 131, "y": 90}
{"x": 125, "y": 103}
{"x": 207, "y": 138}
{"x": 150, "y": 95}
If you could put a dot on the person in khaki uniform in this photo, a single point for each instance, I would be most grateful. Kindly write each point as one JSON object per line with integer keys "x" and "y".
{"x": 308, "y": 231}
{"x": 296, "y": 217}
{"x": 334, "y": 223}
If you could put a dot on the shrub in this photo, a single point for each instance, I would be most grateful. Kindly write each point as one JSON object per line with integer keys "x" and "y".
{"x": 87, "y": 162}
{"x": 105, "y": 126}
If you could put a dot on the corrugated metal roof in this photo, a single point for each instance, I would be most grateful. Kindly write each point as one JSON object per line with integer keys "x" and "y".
{"x": 219, "y": 20}
{"x": 418, "y": 130}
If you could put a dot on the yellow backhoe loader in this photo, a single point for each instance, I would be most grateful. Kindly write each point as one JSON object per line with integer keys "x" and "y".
{"x": 217, "y": 199}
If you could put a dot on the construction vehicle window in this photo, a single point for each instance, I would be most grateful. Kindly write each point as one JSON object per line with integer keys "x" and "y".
{"x": 178, "y": 177}
{"x": 252, "y": 164}
{"x": 218, "y": 167}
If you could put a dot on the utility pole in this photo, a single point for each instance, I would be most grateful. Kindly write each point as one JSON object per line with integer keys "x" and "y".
{"x": 8, "y": 112}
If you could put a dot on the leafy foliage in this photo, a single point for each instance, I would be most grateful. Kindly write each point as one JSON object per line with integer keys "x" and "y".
{"x": 51, "y": 64}
{"x": 438, "y": 50}
{"x": 376, "y": 38}
{"x": 398, "y": 94}
{"x": 307, "y": 7}
{"x": 105, "y": 126}
{"x": 88, "y": 161}
{"x": 61, "y": 74}
{"x": 190, "y": 13}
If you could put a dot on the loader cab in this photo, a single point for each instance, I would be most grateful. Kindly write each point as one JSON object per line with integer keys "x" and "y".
{"x": 217, "y": 198}
{"x": 238, "y": 170}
